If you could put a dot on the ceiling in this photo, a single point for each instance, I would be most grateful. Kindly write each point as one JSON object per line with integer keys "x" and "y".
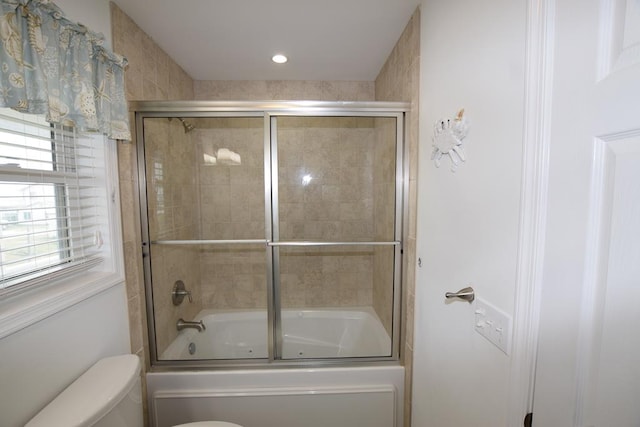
{"x": 235, "y": 39}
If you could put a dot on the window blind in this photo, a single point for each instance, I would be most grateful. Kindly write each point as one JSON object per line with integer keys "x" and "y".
{"x": 53, "y": 199}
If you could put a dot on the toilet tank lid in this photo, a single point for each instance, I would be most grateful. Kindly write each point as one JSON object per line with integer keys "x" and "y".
{"x": 93, "y": 395}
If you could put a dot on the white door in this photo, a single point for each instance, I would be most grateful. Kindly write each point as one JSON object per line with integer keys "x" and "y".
{"x": 472, "y": 57}
{"x": 588, "y": 372}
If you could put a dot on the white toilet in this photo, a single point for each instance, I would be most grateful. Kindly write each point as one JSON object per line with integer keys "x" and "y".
{"x": 107, "y": 395}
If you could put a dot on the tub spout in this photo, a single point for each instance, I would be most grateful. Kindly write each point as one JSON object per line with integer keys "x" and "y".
{"x": 184, "y": 324}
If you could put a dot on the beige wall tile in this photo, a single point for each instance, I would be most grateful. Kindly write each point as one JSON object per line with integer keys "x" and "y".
{"x": 335, "y": 205}
{"x": 257, "y": 90}
{"x": 135, "y": 323}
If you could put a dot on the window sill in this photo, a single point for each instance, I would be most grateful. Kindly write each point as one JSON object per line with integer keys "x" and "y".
{"x": 26, "y": 308}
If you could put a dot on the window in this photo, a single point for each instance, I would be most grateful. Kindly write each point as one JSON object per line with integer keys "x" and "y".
{"x": 53, "y": 201}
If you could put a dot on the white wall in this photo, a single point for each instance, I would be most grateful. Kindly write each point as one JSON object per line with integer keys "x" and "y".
{"x": 94, "y": 14}
{"x": 39, "y": 361}
{"x": 472, "y": 56}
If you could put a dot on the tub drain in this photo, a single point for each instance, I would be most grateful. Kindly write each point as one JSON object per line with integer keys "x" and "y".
{"x": 192, "y": 348}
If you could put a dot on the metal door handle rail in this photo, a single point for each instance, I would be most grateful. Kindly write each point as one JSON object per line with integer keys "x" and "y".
{"x": 309, "y": 243}
{"x": 270, "y": 243}
{"x": 208, "y": 242}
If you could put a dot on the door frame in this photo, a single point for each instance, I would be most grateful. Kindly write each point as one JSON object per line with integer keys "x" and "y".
{"x": 533, "y": 205}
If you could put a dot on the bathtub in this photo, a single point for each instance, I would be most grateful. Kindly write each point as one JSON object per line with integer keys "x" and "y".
{"x": 317, "y": 333}
{"x": 278, "y": 396}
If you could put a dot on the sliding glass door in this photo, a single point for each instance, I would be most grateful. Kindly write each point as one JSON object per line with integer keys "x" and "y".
{"x": 272, "y": 236}
{"x": 336, "y": 234}
{"x": 209, "y": 263}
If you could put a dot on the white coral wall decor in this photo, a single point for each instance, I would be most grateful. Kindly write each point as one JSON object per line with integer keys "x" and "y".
{"x": 448, "y": 136}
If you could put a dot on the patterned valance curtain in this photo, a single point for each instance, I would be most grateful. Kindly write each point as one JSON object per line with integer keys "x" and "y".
{"x": 52, "y": 66}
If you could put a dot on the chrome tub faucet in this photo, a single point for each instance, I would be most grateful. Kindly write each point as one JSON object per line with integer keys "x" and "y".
{"x": 184, "y": 324}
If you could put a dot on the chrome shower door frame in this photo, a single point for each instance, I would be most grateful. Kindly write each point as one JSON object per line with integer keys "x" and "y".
{"x": 270, "y": 111}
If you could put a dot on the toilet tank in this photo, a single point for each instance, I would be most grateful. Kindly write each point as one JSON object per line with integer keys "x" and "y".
{"x": 107, "y": 395}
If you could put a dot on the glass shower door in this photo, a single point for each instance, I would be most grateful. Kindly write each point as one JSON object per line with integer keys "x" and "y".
{"x": 271, "y": 236}
{"x": 207, "y": 225}
{"x": 336, "y": 235}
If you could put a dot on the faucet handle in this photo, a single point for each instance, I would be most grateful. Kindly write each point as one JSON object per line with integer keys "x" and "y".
{"x": 179, "y": 292}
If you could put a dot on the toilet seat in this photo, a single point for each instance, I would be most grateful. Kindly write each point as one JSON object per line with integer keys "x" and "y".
{"x": 209, "y": 424}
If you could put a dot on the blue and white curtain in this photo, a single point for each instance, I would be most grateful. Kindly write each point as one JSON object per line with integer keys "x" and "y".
{"x": 52, "y": 66}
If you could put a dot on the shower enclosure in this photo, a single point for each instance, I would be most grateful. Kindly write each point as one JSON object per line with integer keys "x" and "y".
{"x": 272, "y": 232}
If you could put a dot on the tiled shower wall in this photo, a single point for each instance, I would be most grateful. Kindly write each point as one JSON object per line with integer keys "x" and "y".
{"x": 383, "y": 175}
{"x": 232, "y": 208}
{"x": 282, "y": 90}
{"x": 337, "y": 204}
{"x": 399, "y": 81}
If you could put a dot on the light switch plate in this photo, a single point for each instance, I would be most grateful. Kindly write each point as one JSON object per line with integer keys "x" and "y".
{"x": 493, "y": 324}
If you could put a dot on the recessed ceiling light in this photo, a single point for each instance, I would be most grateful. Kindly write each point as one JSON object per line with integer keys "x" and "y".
{"x": 279, "y": 59}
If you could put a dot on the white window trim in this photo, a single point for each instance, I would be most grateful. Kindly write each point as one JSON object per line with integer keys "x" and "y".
{"x": 33, "y": 304}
